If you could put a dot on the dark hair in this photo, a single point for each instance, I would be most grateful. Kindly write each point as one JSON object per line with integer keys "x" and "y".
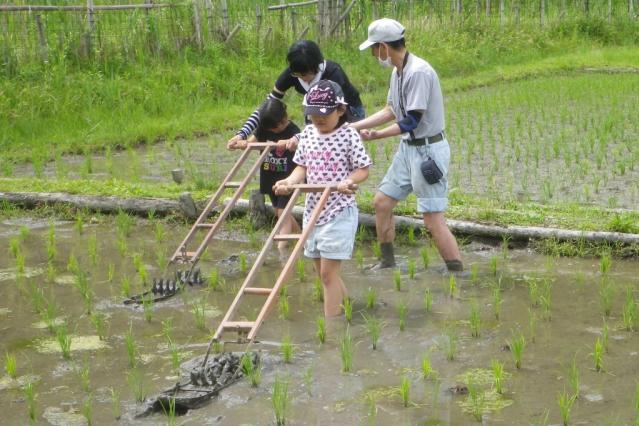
{"x": 304, "y": 56}
{"x": 344, "y": 117}
{"x": 397, "y": 44}
{"x": 271, "y": 112}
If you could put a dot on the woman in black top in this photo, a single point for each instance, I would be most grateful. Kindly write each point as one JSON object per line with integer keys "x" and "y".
{"x": 306, "y": 66}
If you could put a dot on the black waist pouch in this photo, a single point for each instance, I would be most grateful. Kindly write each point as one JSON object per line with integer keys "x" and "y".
{"x": 431, "y": 172}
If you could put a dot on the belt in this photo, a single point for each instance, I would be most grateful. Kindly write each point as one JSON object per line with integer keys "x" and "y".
{"x": 423, "y": 141}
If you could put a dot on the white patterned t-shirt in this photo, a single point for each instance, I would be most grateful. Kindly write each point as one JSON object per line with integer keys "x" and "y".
{"x": 330, "y": 158}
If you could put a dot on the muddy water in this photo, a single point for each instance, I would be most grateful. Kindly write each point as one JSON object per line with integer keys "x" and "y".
{"x": 319, "y": 391}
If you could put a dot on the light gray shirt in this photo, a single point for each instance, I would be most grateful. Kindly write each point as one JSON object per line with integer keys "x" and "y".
{"x": 418, "y": 89}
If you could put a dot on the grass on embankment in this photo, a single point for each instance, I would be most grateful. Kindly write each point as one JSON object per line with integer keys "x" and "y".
{"x": 462, "y": 207}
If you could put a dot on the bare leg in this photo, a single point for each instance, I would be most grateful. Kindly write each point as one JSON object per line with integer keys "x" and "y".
{"x": 384, "y": 221}
{"x": 444, "y": 239}
{"x": 290, "y": 226}
{"x": 334, "y": 288}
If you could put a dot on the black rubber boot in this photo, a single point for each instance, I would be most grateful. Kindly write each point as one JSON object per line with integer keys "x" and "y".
{"x": 388, "y": 256}
{"x": 454, "y": 265}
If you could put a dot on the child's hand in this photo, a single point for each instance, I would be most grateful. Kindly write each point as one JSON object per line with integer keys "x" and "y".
{"x": 282, "y": 187}
{"x": 235, "y": 142}
{"x": 281, "y": 144}
{"x": 291, "y": 144}
{"x": 347, "y": 186}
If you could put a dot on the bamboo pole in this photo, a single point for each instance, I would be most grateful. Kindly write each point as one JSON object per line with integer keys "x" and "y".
{"x": 90, "y": 26}
{"x": 343, "y": 16}
{"x": 209, "y": 18}
{"x": 285, "y": 5}
{"x": 232, "y": 34}
{"x": 258, "y": 20}
{"x": 609, "y": 11}
{"x": 50, "y": 8}
{"x": 225, "y": 17}
{"x": 542, "y": 12}
{"x": 501, "y": 12}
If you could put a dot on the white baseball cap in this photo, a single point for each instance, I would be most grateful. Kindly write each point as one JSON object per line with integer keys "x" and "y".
{"x": 383, "y": 30}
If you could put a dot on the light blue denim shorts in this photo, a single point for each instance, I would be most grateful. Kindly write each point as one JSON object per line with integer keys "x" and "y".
{"x": 335, "y": 239}
{"x": 405, "y": 176}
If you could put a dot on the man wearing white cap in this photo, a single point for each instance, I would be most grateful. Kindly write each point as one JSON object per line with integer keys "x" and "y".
{"x": 416, "y": 108}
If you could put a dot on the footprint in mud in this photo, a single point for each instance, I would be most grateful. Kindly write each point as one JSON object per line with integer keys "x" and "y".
{"x": 458, "y": 390}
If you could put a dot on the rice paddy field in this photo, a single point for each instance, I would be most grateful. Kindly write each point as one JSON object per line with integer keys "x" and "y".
{"x": 541, "y": 117}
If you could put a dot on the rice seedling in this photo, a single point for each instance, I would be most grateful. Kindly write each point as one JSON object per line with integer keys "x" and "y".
{"x": 20, "y": 265}
{"x": 320, "y": 329}
{"x": 147, "y": 307}
{"x": 423, "y": 252}
{"x": 281, "y": 400}
{"x": 477, "y": 401}
{"x": 573, "y": 376}
{"x": 410, "y": 236}
{"x": 123, "y": 246}
{"x": 124, "y": 223}
{"x": 30, "y": 397}
{"x": 283, "y": 306}
{"x": 427, "y": 367}
{"x": 170, "y": 412}
{"x": 243, "y": 262}
{"x": 82, "y": 284}
{"x": 397, "y": 279}
{"x": 497, "y": 300}
{"x": 140, "y": 268}
{"x": 371, "y": 403}
{"x": 493, "y": 265}
{"x": 115, "y": 404}
{"x": 411, "y": 268}
{"x": 51, "y": 246}
{"x": 287, "y": 349}
{"x": 474, "y": 273}
{"x": 214, "y": 279}
{"x": 505, "y": 246}
{"x": 110, "y": 272}
{"x": 14, "y": 247}
{"x": 346, "y": 351}
{"x": 72, "y": 264}
{"x": 161, "y": 259}
{"x": 84, "y": 376}
{"x": 132, "y": 350}
{"x": 374, "y": 328}
{"x": 252, "y": 371}
{"x": 404, "y": 391}
{"x": 377, "y": 249}
{"x": 371, "y": 298}
{"x": 629, "y": 313}
{"x": 92, "y": 249}
{"x": 604, "y": 335}
{"x": 318, "y": 292}
{"x": 347, "y": 305}
{"x": 51, "y": 272}
{"x": 517, "y": 346}
{"x": 545, "y": 299}
{"x": 137, "y": 384}
{"x": 300, "y": 267}
{"x": 159, "y": 232}
{"x": 605, "y": 263}
{"x": 498, "y": 376}
{"x": 199, "y": 308}
{"x": 308, "y": 380}
{"x": 606, "y": 296}
{"x": 79, "y": 223}
{"x": 10, "y": 365}
{"x": 597, "y": 355}
{"x": 125, "y": 286}
{"x": 38, "y": 300}
{"x": 428, "y": 300}
{"x": 359, "y": 258}
{"x": 176, "y": 356}
{"x": 99, "y": 322}
{"x": 24, "y": 232}
{"x": 475, "y": 320}
{"x": 452, "y": 285}
{"x": 402, "y": 310}
{"x": 565, "y": 402}
{"x": 450, "y": 344}
{"x": 637, "y": 401}
{"x": 64, "y": 340}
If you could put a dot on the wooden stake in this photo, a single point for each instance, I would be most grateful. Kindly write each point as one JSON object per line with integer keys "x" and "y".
{"x": 196, "y": 24}
{"x": 235, "y": 30}
{"x": 41, "y": 38}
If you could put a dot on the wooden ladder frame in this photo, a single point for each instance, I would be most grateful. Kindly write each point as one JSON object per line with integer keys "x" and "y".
{"x": 181, "y": 254}
{"x": 247, "y": 330}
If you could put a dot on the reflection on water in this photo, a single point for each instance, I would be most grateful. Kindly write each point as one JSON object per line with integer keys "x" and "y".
{"x": 556, "y": 304}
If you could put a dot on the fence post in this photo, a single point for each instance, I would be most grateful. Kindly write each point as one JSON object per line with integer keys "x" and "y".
{"x": 542, "y": 12}
{"x": 258, "y": 20}
{"x": 196, "y": 24}
{"x": 293, "y": 22}
{"x": 90, "y": 25}
{"x": 631, "y": 8}
{"x": 488, "y": 9}
{"x": 478, "y": 10}
{"x": 609, "y": 11}
{"x": 517, "y": 12}
{"x": 209, "y": 17}
{"x": 41, "y": 38}
{"x": 501, "y": 12}
{"x": 225, "y": 18}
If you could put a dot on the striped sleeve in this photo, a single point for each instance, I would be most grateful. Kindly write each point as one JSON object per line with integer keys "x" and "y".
{"x": 253, "y": 121}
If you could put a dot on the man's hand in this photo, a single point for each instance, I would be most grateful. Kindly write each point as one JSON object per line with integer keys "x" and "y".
{"x": 347, "y": 186}
{"x": 368, "y": 134}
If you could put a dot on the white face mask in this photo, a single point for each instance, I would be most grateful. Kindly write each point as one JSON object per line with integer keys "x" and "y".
{"x": 386, "y": 63}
